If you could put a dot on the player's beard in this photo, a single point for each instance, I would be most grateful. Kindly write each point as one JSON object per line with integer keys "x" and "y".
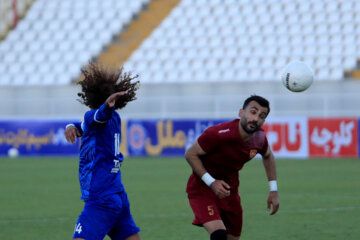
{"x": 244, "y": 123}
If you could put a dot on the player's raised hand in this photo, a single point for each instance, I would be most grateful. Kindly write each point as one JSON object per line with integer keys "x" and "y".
{"x": 71, "y": 133}
{"x": 220, "y": 188}
{"x": 110, "y": 101}
{"x": 273, "y": 200}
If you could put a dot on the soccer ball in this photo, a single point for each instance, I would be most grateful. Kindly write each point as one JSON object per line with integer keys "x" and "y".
{"x": 13, "y": 152}
{"x": 297, "y": 76}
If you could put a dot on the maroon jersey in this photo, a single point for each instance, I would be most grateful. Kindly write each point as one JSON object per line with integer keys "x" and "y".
{"x": 226, "y": 153}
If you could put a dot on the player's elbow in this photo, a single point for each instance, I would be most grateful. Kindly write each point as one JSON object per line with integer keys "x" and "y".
{"x": 268, "y": 156}
{"x": 190, "y": 154}
{"x": 187, "y": 154}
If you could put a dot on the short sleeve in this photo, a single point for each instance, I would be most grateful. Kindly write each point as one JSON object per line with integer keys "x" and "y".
{"x": 208, "y": 140}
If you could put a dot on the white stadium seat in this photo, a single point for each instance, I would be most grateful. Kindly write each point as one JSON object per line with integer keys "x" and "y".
{"x": 273, "y": 31}
{"x": 209, "y": 38}
{"x": 58, "y": 32}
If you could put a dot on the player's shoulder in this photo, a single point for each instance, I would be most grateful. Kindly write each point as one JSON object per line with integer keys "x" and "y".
{"x": 260, "y": 133}
{"x": 224, "y": 127}
{"x": 259, "y": 141}
{"x": 259, "y": 136}
{"x": 89, "y": 115}
{"x": 91, "y": 111}
{"x": 226, "y": 124}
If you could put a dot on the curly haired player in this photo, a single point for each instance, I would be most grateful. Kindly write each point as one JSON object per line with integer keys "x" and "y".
{"x": 106, "y": 210}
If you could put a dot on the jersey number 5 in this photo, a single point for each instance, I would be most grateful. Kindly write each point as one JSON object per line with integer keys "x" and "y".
{"x": 211, "y": 210}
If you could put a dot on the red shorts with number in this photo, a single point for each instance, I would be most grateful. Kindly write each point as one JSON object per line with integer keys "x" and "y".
{"x": 208, "y": 207}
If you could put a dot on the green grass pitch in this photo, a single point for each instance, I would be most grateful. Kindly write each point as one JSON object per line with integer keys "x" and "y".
{"x": 319, "y": 199}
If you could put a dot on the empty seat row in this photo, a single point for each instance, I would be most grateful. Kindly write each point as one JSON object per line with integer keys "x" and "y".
{"x": 58, "y": 37}
{"x": 254, "y": 35}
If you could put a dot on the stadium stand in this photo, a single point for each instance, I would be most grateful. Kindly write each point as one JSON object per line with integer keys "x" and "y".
{"x": 203, "y": 40}
{"x": 250, "y": 40}
{"x": 138, "y": 30}
{"x": 56, "y": 38}
{"x": 10, "y": 13}
{"x": 201, "y": 61}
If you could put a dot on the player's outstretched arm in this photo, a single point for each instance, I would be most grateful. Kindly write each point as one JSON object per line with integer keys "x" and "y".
{"x": 270, "y": 168}
{"x": 110, "y": 101}
{"x": 104, "y": 113}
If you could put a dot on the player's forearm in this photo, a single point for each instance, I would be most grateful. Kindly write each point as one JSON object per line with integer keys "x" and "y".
{"x": 196, "y": 164}
{"x": 199, "y": 169}
{"x": 192, "y": 156}
{"x": 270, "y": 167}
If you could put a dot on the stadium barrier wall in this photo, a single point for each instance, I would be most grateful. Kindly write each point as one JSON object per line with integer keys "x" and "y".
{"x": 35, "y": 137}
{"x": 289, "y": 137}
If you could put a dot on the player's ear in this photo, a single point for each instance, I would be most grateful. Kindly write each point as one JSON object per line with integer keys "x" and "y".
{"x": 241, "y": 112}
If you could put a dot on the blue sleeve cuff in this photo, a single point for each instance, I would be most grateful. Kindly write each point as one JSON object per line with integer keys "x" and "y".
{"x": 77, "y": 125}
{"x": 103, "y": 114}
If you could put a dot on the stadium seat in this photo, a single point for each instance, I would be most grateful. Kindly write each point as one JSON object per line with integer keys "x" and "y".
{"x": 264, "y": 34}
{"x": 58, "y": 32}
{"x": 214, "y": 36}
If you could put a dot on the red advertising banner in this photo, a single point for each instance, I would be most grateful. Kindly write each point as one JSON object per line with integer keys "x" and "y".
{"x": 288, "y": 136}
{"x": 333, "y": 137}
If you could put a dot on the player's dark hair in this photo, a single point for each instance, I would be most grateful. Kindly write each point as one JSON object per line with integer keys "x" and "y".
{"x": 100, "y": 82}
{"x": 260, "y": 100}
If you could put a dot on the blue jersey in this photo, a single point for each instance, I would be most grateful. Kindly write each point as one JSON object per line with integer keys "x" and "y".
{"x": 100, "y": 156}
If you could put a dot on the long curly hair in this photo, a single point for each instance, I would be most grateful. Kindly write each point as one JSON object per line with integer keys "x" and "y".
{"x": 100, "y": 82}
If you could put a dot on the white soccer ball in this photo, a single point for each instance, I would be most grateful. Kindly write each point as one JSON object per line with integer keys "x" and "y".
{"x": 297, "y": 76}
{"x": 13, "y": 152}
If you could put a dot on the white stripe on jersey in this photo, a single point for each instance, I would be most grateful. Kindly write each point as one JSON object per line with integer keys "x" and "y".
{"x": 96, "y": 119}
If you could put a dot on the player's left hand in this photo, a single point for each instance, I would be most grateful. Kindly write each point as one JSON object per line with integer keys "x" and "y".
{"x": 110, "y": 101}
{"x": 273, "y": 199}
{"x": 220, "y": 188}
{"x": 71, "y": 133}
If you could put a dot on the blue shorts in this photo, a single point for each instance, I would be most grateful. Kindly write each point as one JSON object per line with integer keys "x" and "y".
{"x": 96, "y": 220}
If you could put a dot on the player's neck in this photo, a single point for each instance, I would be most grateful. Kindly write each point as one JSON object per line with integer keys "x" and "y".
{"x": 243, "y": 134}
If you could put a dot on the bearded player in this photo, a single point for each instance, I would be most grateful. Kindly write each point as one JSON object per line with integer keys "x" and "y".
{"x": 216, "y": 158}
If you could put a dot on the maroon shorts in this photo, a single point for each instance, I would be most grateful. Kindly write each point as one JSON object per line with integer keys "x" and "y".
{"x": 208, "y": 207}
